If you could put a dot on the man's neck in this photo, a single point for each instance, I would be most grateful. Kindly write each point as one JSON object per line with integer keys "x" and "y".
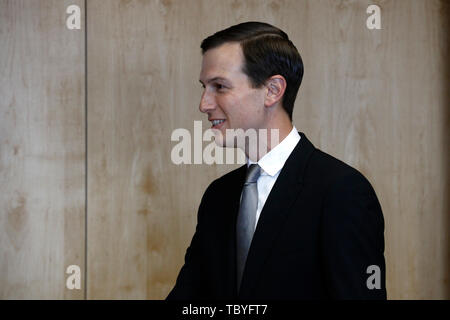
{"x": 267, "y": 140}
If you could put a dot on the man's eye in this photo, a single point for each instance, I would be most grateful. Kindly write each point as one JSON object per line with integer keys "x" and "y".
{"x": 219, "y": 86}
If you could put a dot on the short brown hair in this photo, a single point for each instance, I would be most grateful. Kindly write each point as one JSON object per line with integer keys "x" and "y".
{"x": 267, "y": 51}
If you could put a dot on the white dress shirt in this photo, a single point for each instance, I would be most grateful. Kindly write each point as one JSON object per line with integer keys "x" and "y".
{"x": 271, "y": 164}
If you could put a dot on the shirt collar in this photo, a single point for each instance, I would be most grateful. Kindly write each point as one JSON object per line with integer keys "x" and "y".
{"x": 273, "y": 161}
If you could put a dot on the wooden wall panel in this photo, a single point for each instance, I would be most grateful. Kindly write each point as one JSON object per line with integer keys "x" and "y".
{"x": 41, "y": 150}
{"x": 374, "y": 98}
{"x": 140, "y": 83}
{"x": 378, "y": 99}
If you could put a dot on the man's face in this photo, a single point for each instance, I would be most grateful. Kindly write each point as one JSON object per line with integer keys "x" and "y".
{"x": 228, "y": 98}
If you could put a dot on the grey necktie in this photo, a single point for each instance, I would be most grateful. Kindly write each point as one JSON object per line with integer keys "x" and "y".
{"x": 245, "y": 225}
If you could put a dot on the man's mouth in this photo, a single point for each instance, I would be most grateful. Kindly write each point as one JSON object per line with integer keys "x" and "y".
{"x": 217, "y": 123}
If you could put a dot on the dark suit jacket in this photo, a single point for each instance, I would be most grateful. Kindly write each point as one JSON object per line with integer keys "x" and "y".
{"x": 320, "y": 229}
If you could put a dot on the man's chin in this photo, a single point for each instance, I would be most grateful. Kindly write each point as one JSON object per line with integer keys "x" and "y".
{"x": 221, "y": 140}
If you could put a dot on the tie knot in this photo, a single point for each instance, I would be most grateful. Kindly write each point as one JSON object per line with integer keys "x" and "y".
{"x": 253, "y": 173}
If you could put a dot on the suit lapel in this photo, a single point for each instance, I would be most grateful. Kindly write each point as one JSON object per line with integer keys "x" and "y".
{"x": 285, "y": 190}
{"x": 232, "y": 209}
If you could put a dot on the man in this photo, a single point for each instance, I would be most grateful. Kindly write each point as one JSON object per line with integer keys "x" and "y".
{"x": 294, "y": 223}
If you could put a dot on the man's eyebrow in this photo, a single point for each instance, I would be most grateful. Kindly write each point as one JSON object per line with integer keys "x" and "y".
{"x": 213, "y": 79}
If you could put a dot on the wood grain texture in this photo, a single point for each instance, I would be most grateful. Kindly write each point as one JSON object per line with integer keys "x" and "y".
{"x": 41, "y": 150}
{"x": 379, "y": 100}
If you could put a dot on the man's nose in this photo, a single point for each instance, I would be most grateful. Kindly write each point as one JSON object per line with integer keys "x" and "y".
{"x": 207, "y": 102}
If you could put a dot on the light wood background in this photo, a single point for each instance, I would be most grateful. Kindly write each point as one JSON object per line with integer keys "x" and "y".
{"x": 42, "y": 157}
{"x": 377, "y": 99}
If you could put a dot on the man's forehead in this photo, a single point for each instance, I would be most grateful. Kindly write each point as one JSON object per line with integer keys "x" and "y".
{"x": 221, "y": 62}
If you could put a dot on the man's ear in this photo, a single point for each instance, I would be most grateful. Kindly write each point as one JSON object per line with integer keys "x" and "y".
{"x": 276, "y": 86}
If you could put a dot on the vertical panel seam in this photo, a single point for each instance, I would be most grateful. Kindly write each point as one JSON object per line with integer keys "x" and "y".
{"x": 86, "y": 151}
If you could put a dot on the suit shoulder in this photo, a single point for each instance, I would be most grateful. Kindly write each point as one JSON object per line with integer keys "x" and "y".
{"x": 346, "y": 189}
{"x": 330, "y": 170}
